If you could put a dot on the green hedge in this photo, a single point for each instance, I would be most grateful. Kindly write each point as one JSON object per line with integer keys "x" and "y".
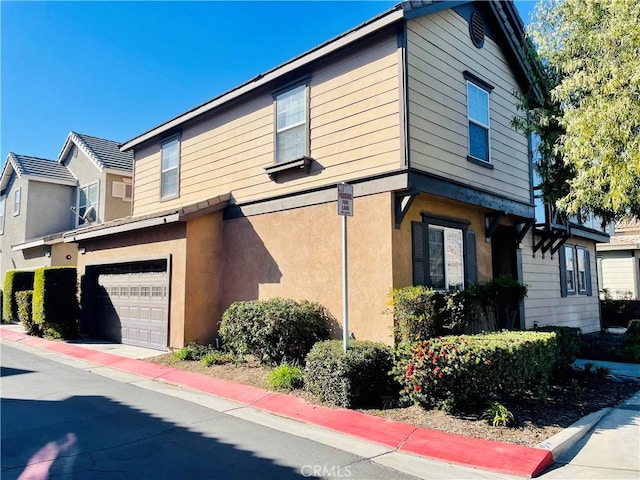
{"x": 24, "y": 300}
{"x": 618, "y": 313}
{"x": 55, "y": 301}
{"x": 420, "y": 313}
{"x": 358, "y": 378}
{"x": 463, "y": 371}
{"x": 14, "y": 281}
{"x": 569, "y": 345}
{"x": 275, "y": 331}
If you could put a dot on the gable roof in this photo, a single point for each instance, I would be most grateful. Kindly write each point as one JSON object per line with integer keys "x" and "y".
{"x": 505, "y": 13}
{"x": 105, "y": 154}
{"x": 35, "y": 168}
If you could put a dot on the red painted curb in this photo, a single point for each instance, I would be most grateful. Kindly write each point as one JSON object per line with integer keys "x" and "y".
{"x": 494, "y": 456}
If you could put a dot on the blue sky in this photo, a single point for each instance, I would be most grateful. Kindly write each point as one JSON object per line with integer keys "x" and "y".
{"x": 116, "y": 69}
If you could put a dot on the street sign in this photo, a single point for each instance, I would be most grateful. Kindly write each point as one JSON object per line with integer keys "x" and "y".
{"x": 345, "y": 200}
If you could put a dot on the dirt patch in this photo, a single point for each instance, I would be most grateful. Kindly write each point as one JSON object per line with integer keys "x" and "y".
{"x": 536, "y": 419}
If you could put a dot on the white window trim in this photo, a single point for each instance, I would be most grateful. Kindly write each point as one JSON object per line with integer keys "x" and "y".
{"x": 304, "y": 86}
{"x": 96, "y": 207}
{"x": 164, "y": 171}
{"x": 17, "y": 201}
{"x": 2, "y": 213}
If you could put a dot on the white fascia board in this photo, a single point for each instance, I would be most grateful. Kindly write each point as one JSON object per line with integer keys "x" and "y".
{"x": 26, "y": 245}
{"x": 125, "y": 227}
{"x": 36, "y": 243}
{"x": 58, "y": 181}
{"x": 115, "y": 171}
{"x": 607, "y": 247}
{"x": 263, "y": 79}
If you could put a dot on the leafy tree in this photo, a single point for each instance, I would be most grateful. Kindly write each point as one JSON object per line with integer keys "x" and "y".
{"x": 589, "y": 113}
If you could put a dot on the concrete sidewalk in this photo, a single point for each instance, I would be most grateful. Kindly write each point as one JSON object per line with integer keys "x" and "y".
{"x": 493, "y": 456}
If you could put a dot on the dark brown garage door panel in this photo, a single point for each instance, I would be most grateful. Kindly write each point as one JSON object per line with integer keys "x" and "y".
{"x": 134, "y": 307}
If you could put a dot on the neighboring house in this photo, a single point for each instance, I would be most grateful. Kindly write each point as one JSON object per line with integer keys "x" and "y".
{"x": 35, "y": 195}
{"x": 39, "y": 199}
{"x": 619, "y": 261}
{"x": 236, "y": 198}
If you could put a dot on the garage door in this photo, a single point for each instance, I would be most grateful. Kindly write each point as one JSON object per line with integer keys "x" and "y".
{"x": 132, "y": 304}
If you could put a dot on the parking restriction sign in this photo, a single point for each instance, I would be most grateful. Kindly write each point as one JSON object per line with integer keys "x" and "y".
{"x": 345, "y": 200}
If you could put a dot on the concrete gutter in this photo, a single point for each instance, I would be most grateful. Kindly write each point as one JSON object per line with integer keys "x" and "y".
{"x": 561, "y": 442}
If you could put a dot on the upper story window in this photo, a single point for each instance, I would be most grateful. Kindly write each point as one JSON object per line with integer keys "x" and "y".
{"x": 478, "y": 113}
{"x": 478, "y": 119}
{"x": 575, "y": 271}
{"x": 170, "y": 174}
{"x": 443, "y": 254}
{"x": 16, "y": 201}
{"x": 87, "y": 204}
{"x": 292, "y": 132}
{"x": 2, "y": 203}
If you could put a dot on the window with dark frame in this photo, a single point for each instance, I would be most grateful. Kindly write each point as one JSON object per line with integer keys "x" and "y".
{"x": 478, "y": 115}
{"x": 444, "y": 255}
{"x": 575, "y": 271}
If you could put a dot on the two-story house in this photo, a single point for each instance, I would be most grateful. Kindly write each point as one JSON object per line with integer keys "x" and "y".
{"x": 90, "y": 183}
{"x": 236, "y": 199}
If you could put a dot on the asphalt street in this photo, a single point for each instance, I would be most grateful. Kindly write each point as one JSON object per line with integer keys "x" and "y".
{"x": 65, "y": 418}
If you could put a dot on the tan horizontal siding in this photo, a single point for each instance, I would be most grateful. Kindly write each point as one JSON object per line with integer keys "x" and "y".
{"x": 544, "y": 303}
{"x": 354, "y": 132}
{"x": 439, "y": 51}
{"x": 618, "y": 275}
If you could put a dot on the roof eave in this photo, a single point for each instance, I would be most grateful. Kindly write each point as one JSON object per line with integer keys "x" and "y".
{"x": 117, "y": 171}
{"x": 381, "y": 21}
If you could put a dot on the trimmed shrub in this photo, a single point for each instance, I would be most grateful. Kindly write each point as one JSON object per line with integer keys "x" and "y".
{"x": 633, "y": 330}
{"x": 417, "y": 313}
{"x": 619, "y": 313}
{"x": 469, "y": 371}
{"x": 420, "y": 313}
{"x": 630, "y": 351}
{"x": 569, "y": 344}
{"x": 14, "y": 281}
{"x": 275, "y": 330}
{"x": 24, "y": 300}
{"x": 358, "y": 378}
{"x": 55, "y": 301}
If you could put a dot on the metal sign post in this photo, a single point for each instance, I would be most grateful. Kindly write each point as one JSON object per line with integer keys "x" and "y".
{"x": 345, "y": 209}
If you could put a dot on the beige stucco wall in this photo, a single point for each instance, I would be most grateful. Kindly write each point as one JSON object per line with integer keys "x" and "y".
{"x": 114, "y": 207}
{"x": 60, "y": 252}
{"x": 297, "y": 254}
{"x": 155, "y": 242}
{"x": 202, "y": 283}
{"x": 402, "y": 245}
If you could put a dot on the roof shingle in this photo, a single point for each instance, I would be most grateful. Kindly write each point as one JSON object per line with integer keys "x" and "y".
{"x": 41, "y": 167}
{"x": 107, "y": 152}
